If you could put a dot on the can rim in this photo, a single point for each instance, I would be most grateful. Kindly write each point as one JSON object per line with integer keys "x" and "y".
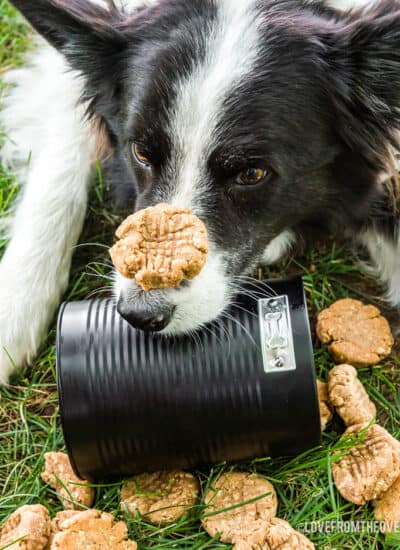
{"x": 293, "y": 281}
{"x": 311, "y": 353}
{"x": 61, "y": 402}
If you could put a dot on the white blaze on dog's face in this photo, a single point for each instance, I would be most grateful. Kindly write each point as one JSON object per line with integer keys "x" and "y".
{"x": 231, "y": 48}
{"x": 262, "y": 117}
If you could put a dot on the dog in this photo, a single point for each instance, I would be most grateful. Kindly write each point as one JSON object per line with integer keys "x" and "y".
{"x": 268, "y": 119}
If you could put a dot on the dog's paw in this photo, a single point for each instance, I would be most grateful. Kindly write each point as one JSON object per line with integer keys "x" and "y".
{"x": 18, "y": 341}
{"x": 22, "y": 325}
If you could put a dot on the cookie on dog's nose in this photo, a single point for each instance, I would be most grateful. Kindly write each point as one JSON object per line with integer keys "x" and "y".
{"x": 160, "y": 246}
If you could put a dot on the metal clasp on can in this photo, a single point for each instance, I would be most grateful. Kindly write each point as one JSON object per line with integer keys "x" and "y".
{"x": 276, "y": 334}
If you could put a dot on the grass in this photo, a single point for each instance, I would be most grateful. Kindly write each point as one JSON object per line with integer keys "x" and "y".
{"x": 29, "y": 422}
{"x": 14, "y": 37}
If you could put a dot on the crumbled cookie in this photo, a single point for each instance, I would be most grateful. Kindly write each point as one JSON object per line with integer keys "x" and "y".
{"x": 246, "y": 523}
{"x": 162, "y": 497}
{"x": 30, "y": 522}
{"x": 56, "y": 522}
{"x": 91, "y": 530}
{"x": 60, "y": 476}
{"x": 355, "y": 333}
{"x": 279, "y": 535}
{"x": 325, "y": 410}
{"x": 349, "y": 397}
{"x": 387, "y": 508}
{"x": 161, "y": 246}
{"x": 61, "y": 517}
{"x": 370, "y": 467}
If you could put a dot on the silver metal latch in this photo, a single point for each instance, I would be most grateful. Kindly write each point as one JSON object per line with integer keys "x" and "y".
{"x": 276, "y": 334}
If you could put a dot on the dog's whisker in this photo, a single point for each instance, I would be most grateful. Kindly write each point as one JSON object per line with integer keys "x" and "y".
{"x": 240, "y": 325}
{"x": 245, "y": 310}
{"x": 253, "y": 295}
{"x": 243, "y": 286}
{"x": 99, "y": 292}
{"x": 255, "y": 283}
{"x": 100, "y": 276}
{"x": 249, "y": 294}
{"x": 224, "y": 330}
{"x": 101, "y": 264}
{"x": 92, "y": 267}
{"x": 93, "y": 272}
{"x": 196, "y": 338}
{"x": 211, "y": 329}
{"x": 82, "y": 245}
{"x": 251, "y": 280}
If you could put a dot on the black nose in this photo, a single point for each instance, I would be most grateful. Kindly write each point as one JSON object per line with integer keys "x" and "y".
{"x": 147, "y": 319}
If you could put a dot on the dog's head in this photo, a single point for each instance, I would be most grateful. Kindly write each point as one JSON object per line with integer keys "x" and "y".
{"x": 258, "y": 115}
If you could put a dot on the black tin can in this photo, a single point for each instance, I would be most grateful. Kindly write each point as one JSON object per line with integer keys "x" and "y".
{"x": 243, "y": 387}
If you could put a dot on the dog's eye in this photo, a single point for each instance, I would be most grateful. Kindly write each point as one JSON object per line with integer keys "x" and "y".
{"x": 140, "y": 155}
{"x": 252, "y": 176}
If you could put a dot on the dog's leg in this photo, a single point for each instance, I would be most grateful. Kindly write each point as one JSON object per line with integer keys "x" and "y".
{"x": 42, "y": 114}
{"x": 385, "y": 256}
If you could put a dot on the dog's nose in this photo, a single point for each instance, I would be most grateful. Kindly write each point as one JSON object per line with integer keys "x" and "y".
{"x": 147, "y": 319}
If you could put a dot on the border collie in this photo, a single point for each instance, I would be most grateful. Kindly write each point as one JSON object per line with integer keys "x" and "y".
{"x": 267, "y": 118}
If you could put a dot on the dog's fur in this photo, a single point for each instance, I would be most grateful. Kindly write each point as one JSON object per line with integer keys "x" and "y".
{"x": 311, "y": 92}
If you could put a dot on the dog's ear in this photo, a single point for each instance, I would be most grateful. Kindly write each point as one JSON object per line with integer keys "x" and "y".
{"x": 68, "y": 22}
{"x": 91, "y": 37}
{"x": 365, "y": 85}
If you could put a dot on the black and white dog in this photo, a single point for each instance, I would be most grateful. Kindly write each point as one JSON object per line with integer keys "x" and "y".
{"x": 265, "y": 117}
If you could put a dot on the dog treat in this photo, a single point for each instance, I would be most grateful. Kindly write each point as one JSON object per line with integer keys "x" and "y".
{"x": 281, "y": 536}
{"x": 56, "y": 522}
{"x": 161, "y": 246}
{"x": 370, "y": 467}
{"x": 355, "y": 333}
{"x": 60, "y": 476}
{"x": 59, "y": 518}
{"x": 325, "y": 410}
{"x": 162, "y": 497}
{"x": 387, "y": 507}
{"x": 349, "y": 397}
{"x": 243, "y": 524}
{"x": 31, "y": 522}
{"x": 90, "y": 530}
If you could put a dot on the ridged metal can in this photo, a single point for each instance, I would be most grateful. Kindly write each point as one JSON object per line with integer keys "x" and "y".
{"x": 243, "y": 387}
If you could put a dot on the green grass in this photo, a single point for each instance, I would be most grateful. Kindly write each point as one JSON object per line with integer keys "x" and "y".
{"x": 29, "y": 422}
{"x": 13, "y": 37}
